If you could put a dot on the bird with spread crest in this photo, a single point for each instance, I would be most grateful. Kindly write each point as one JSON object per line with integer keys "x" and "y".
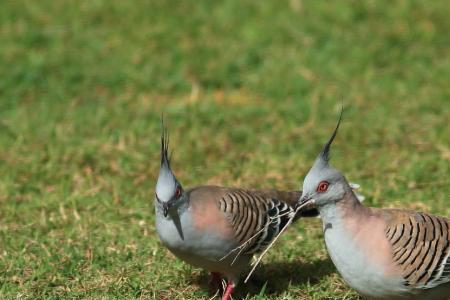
{"x": 381, "y": 253}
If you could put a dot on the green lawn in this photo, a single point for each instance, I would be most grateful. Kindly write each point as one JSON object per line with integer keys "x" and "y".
{"x": 250, "y": 91}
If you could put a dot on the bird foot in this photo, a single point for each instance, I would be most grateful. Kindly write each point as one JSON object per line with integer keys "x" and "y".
{"x": 228, "y": 291}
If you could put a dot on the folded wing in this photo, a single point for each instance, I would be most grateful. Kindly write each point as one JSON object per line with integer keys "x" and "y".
{"x": 421, "y": 245}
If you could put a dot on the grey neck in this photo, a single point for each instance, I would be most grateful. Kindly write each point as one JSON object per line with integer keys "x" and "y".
{"x": 329, "y": 212}
{"x": 333, "y": 213}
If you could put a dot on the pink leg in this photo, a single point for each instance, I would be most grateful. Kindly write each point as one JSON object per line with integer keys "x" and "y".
{"x": 215, "y": 282}
{"x": 228, "y": 291}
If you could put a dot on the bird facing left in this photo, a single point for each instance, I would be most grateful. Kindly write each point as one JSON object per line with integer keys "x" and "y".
{"x": 218, "y": 228}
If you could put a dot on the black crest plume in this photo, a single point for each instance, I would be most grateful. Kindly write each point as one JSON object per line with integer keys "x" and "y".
{"x": 324, "y": 155}
{"x": 164, "y": 145}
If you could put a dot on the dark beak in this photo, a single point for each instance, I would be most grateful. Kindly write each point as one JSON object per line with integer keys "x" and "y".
{"x": 305, "y": 203}
{"x": 166, "y": 205}
{"x": 165, "y": 208}
{"x": 304, "y": 199}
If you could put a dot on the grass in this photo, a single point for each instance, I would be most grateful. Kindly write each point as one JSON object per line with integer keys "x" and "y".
{"x": 250, "y": 91}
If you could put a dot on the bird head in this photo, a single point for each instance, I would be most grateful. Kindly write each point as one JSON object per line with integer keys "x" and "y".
{"x": 169, "y": 192}
{"x": 323, "y": 184}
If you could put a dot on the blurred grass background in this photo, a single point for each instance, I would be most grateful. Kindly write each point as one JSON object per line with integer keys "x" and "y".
{"x": 250, "y": 91}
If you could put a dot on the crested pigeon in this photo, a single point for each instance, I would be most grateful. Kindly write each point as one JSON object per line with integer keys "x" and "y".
{"x": 218, "y": 228}
{"x": 381, "y": 253}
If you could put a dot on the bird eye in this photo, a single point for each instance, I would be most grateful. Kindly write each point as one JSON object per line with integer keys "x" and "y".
{"x": 178, "y": 192}
{"x": 322, "y": 187}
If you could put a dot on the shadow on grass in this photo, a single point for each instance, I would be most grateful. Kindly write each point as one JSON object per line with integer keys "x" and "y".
{"x": 277, "y": 277}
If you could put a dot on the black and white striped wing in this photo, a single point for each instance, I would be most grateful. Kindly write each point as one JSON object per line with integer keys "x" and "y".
{"x": 421, "y": 244}
{"x": 256, "y": 219}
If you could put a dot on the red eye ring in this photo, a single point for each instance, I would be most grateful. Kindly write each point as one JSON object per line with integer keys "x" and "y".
{"x": 178, "y": 192}
{"x": 322, "y": 187}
